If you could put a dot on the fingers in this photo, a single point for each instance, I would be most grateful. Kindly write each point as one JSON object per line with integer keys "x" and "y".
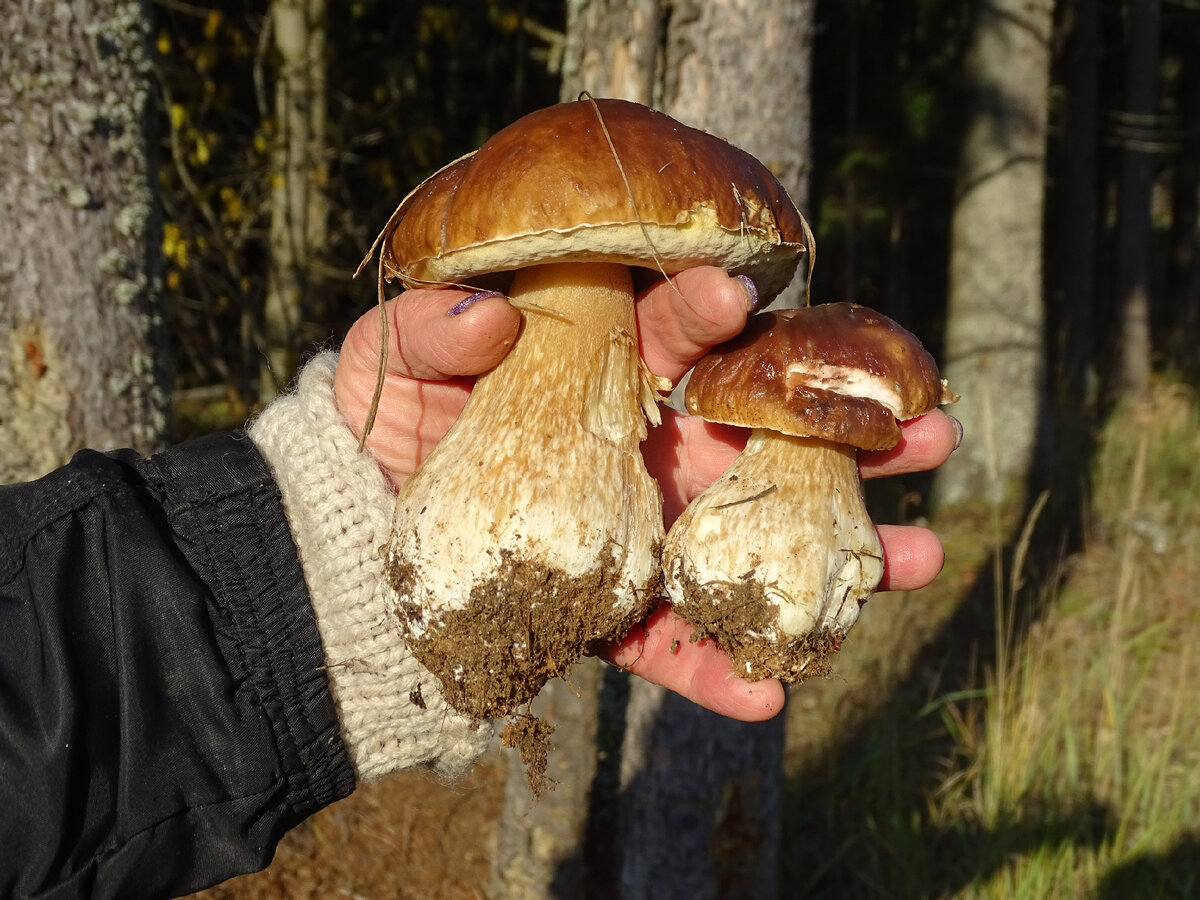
{"x": 925, "y": 443}
{"x": 434, "y": 345}
{"x": 686, "y": 454}
{"x": 912, "y": 557}
{"x": 662, "y": 652}
{"x": 428, "y": 340}
{"x": 681, "y": 319}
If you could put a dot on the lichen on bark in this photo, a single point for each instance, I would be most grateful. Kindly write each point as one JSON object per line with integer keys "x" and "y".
{"x": 79, "y": 216}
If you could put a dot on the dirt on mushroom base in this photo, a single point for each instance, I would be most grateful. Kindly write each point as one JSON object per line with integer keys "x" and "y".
{"x": 519, "y": 629}
{"x": 742, "y": 619}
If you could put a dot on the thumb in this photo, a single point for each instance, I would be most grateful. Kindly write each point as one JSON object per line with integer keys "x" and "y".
{"x": 436, "y": 343}
{"x": 434, "y": 335}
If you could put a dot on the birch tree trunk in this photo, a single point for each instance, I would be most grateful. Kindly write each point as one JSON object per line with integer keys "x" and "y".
{"x": 683, "y": 802}
{"x": 299, "y": 209}
{"x": 995, "y": 335}
{"x": 82, "y": 357}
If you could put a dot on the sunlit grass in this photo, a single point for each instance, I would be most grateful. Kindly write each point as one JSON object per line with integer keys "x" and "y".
{"x": 1070, "y": 765}
{"x": 1087, "y": 734}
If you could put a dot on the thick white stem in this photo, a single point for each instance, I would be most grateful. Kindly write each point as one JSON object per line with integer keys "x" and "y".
{"x": 533, "y": 529}
{"x": 776, "y": 557}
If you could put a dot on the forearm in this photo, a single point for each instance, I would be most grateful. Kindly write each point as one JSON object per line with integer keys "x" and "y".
{"x": 162, "y": 700}
{"x": 187, "y": 659}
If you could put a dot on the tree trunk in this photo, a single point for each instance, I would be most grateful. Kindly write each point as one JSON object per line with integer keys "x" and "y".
{"x": 1076, "y": 219}
{"x": 700, "y": 801}
{"x": 714, "y": 65}
{"x": 299, "y": 211}
{"x": 685, "y": 798}
{"x": 725, "y": 63}
{"x": 994, "y": 336}
{"x": 82, "y": 359}
{"x": 1184, "y": 277}
{"x": 615, "y": 49}
{"x": 1137, "y": 174}
{"x": 540, "y": 846}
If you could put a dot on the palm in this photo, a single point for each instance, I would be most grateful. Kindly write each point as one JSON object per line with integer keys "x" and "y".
{"x": 433, "y": 358}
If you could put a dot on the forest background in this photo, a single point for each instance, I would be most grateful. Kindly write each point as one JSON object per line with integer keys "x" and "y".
{"x": 1017, "y": 182}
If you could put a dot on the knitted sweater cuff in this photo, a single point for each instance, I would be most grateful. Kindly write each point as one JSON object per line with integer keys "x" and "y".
{"x": 339, "y": 506}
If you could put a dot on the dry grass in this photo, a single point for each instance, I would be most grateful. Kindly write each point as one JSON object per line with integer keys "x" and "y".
{"x": 1045, "y": 746}
{"x": 1070, "y": 765}
{"x": 408, "y": 837}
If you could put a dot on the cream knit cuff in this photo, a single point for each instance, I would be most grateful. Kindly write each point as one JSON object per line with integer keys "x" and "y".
{"x": 339, "y": 506}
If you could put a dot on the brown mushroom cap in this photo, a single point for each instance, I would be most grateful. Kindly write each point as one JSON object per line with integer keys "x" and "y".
{"x": 548, "y": 188}
{"x": 836, "y": 371}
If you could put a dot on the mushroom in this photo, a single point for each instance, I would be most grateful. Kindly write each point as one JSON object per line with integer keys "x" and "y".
{"x": 776, "y": 557}
{"x": 533, "y": 531}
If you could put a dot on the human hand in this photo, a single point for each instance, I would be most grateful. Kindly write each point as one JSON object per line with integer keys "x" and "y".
{"x": 686, "y": 455}
{"x": 434, "y": 355}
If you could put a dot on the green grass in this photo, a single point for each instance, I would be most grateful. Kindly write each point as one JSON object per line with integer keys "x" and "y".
{"x": 1066, "y": 761}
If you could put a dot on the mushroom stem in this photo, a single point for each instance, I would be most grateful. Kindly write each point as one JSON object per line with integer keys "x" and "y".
{"x": 776, "y": 557}
{"x": 533, "y": 530}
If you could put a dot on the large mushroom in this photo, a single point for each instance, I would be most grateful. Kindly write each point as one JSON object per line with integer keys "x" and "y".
{"x": 533, "y": 531}
{"x": 776, "y": 557}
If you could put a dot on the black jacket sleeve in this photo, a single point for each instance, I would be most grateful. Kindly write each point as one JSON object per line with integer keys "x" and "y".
{"x": 164, "y": 712}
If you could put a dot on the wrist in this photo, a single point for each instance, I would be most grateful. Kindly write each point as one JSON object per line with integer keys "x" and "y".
{"x": 339, "y": 506}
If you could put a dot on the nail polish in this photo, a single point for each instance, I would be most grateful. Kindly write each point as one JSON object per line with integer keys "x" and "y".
{"x": 751, "y": 291}
{"x": 958, "y": 432}
{"x": 467, "y": 302}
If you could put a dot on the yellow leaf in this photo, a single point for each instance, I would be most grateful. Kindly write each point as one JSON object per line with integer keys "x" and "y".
{"x": 212, "y": 24}
{"x": 163, "y": 44}
{"x": 174, "y": 279}
{"x": 169, "y": 239}
{"x": 509, "y": 22}
{"x": 231, "y": 205}
{"x": 178, "y": 115}
{"x": 206, "y": 58}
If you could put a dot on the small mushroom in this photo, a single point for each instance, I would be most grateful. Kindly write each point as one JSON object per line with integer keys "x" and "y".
{"x": 776, "y": 557}
{"x": 533, "y": 532}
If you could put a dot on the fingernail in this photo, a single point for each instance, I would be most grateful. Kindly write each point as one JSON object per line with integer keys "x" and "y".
{"x": 467, "y": 302}
{"x": 751, "y": 292}
{"x": 958, "y": 431}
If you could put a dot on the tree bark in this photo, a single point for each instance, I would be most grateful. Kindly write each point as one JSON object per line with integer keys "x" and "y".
{"x": 82, "y": 354}
{"x": 1184, "y": 277}
{"x": 299, "y": 209}
{"x": 682, "y": 797}
{"x": 615, "y": 49}
{"x": 540, "y": 846}
{"x": 700, "y": 801}
{"x": 995, "y": 333}
{"x": 1137, "y": 174}
{"x": 1076, "y": 219}
{"x": 741, "y": 70}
